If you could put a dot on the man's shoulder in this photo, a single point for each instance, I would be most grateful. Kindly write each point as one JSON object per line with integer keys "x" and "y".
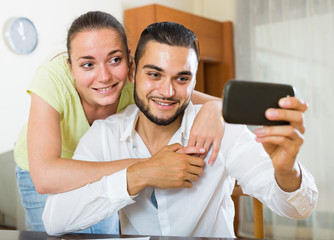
{"x": 196, "y": 107}
{"x": 194, "y": 110}
{"x": 128, "y": 113}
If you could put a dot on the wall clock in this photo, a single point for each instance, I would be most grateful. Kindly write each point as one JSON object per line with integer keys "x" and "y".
{"x": 21, "y": 35}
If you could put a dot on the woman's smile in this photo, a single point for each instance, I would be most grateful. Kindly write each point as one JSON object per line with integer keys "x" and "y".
{"x": 106, "y": 90}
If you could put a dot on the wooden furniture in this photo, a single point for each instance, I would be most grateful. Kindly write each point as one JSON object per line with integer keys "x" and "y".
{"x": 30, "y": 235}
{"x": 216, "y": 64}
{"x": 257, "y": 213}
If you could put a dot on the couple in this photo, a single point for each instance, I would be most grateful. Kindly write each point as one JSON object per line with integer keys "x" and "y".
{"x": 68, "y": 94}
{"x": 181, "y": 196}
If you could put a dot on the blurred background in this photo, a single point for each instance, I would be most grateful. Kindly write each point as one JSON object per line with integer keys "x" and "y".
{"x": 285, "y": 41}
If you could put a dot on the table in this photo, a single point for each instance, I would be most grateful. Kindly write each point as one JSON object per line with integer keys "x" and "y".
{"x": 29, "y": 235}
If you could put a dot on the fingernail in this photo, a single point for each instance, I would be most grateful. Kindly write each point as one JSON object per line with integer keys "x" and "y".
{"x": 284, "y": 102}
{"x": 272, "y": 113}
{"x": 202, "y": 150}
{"x": 259, "y": 131}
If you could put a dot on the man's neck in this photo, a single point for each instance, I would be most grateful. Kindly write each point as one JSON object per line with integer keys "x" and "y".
{"x": 156, "y": 136}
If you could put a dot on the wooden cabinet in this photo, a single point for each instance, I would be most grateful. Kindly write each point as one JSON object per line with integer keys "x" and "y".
{"x": 216, "y": 65}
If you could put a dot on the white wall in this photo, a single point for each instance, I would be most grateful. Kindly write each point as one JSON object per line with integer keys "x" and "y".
{"x": 52, "y": 19}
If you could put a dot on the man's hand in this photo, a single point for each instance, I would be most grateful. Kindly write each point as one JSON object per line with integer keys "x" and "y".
{"x": 169, "y": 168}
{"x": 283, "y": 143}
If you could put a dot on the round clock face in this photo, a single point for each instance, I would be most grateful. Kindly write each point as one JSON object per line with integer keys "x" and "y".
{"x": 22, "y": 35}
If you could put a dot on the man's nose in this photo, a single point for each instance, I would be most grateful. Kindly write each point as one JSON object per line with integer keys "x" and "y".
{"x": 166, "y": 88}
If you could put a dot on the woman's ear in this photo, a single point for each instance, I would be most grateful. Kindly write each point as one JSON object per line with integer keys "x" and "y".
{"x": 68, "y": 61}
{"x": 132, "y": 69}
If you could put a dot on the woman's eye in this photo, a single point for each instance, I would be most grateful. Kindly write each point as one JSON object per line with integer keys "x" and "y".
{"x": 87, "y": 65}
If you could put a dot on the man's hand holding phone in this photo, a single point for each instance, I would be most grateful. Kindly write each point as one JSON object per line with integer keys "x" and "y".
{"x": 283, "y": 143}
{"x": 283, "y": 132}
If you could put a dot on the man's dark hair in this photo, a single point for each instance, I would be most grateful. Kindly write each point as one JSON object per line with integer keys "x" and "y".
{"x": 170, "y": 33}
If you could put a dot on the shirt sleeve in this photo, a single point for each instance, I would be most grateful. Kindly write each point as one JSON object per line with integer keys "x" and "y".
{"x": 300, "y": 203}
{"x": 49, "y": 87}
{"x": 83, "y": 207}
{"x": 248, "y": 162}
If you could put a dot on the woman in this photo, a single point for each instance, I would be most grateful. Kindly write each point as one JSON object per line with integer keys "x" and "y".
{"x": 67, "y": 95}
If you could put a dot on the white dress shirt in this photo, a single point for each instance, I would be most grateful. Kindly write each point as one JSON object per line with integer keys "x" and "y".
{"x": 205, "y": 210}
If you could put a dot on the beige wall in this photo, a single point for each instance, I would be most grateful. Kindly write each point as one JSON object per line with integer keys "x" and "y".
{"x": 221, "y": 10}
{"x": 51, "y": 18}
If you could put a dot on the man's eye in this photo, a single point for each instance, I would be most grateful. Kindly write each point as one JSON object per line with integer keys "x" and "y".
{"x": 154, "y": 75}
{"x": 183, "y": 79}
{"x": 115, "y": 60}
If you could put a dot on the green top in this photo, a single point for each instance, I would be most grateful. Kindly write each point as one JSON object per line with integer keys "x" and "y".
{"x": 53, "y": 82}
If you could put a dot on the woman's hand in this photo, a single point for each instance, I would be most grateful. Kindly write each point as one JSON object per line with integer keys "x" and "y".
{"x": 208, "y": 129}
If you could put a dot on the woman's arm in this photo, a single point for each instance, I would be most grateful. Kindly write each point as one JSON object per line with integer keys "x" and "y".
{"x": 53, "y": 174}
{"x": 208, "y": 127}
{"x": 50, "y": 172}
{"x": 201, "y": 98}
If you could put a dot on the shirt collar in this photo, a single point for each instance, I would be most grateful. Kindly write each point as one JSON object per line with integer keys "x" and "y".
{"x": 130, "y": 129}
{"x": 187, "y": 122}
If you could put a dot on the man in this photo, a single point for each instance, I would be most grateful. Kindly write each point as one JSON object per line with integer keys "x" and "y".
{"x": 182, "y": 197}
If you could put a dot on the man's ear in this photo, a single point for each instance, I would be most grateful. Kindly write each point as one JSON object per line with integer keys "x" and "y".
{"x": 132, "y": 69}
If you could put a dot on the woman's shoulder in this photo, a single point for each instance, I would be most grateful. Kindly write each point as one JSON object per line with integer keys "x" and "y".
{"x": 55, "y": 71}
{"x": 54, "y": 83}
{"x": 57, "y": 65}
{"x": 126, "y": 97}
{"x": 54, "y": 68}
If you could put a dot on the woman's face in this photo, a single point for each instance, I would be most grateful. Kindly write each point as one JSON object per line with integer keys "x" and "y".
{"x": 99, "y": 66}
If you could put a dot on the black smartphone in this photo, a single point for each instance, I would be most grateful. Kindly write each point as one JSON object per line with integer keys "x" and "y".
{"x": 245, "y": 102}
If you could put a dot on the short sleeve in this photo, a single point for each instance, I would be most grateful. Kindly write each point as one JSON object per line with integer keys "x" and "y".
{"x": 53, "y": 83}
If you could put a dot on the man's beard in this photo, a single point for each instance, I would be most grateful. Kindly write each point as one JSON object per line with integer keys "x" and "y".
{"x": 159, "y": 121}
